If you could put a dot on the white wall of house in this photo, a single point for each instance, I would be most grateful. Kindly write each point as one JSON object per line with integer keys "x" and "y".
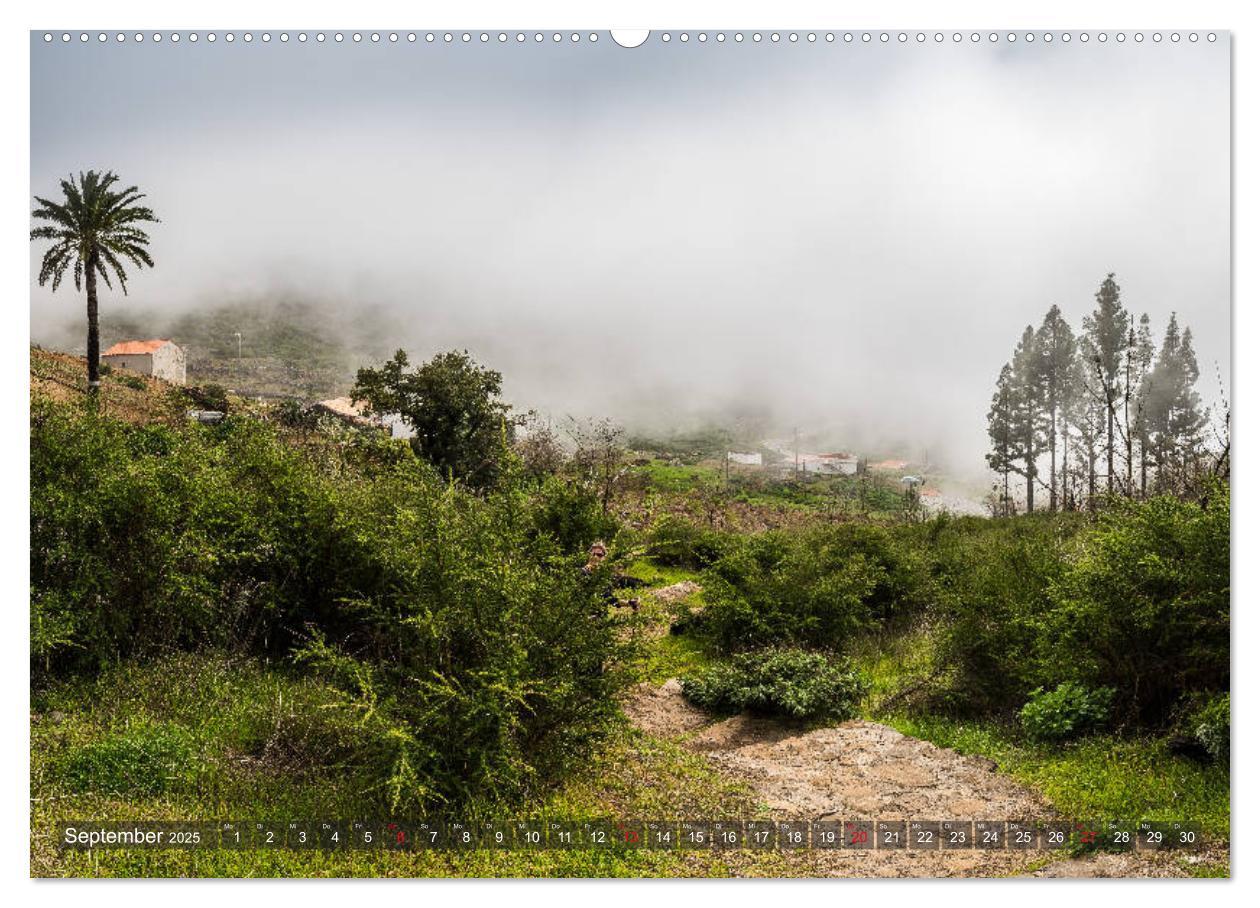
{"x": 131, "y": 362}
{"x": 829, "y": 466}
{"x": 167, "y": 362}
{"x": 747, "y": 458}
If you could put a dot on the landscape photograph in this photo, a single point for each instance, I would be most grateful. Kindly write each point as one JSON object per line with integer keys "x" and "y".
{"x": 789, "y": 454}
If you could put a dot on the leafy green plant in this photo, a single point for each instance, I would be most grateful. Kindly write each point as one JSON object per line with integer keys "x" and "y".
{"x": 208, "y": 397}
{"x": 787, "y": 682}
{"x": 1068, "y": 711}
{"x": 1210, "y": 726}
{"x": 675, "y": 541}
{"x": 570, "y": 513}
{"x": 1144, "y": 605}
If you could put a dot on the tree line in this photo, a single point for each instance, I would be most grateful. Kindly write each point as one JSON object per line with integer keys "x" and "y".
{"x": 1103, "y": 410}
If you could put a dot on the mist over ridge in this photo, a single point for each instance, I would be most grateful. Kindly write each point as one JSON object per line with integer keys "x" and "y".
{"x": 841, "y": 243}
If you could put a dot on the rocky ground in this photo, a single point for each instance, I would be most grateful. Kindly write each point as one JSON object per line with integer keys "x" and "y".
{"x": 863, "y": 769}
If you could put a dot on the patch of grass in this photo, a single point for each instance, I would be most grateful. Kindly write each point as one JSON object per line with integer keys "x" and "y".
{"x": 1098, "y": 778}
{"x": 199, "y": 735}
{"x": 667, "y": 477}
{"x": 892, "y": 662}
{"x": 145, "y": 758}
{"x": 673, "y": 656}
{"x": 654, "y": 573}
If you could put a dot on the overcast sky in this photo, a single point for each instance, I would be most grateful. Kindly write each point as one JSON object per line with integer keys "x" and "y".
{"x": 852, "y": 235}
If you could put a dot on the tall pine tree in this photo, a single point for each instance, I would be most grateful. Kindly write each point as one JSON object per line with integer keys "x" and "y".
{"x": 1027, "y": 412}
{"x": 1001, "y": 434}
{"x": 1055, "y": 357}
{"x": 1107, "y": 328}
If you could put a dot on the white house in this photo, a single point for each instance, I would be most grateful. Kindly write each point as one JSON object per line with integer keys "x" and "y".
{"x": 162, "y": 359}
{"x": 838, "y": 464}
{"x": 746, "y": 458}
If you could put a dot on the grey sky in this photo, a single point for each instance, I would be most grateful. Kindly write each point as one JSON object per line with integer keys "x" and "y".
{"x": 852, "y": 235}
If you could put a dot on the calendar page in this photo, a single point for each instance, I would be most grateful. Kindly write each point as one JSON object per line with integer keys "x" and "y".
{"x": 587, "y": 452}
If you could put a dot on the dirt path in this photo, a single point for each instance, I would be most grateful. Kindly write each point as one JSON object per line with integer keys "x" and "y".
{"x": 864, "y": 769}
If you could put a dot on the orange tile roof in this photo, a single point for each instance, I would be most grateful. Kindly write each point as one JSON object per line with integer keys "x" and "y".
{"x": 133, "y": 348}
{"x": 889, "y": 465}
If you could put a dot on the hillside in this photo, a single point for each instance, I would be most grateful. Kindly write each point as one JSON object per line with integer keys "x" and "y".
{"x": 257, "y": 346}
{"x": 135, "y": 398}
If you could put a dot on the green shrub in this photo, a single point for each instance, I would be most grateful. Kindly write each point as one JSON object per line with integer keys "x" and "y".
{"x": 816, "y": 588}
{"x": 1144, "y": 605}
{"x": 293, "y": 414}
{"x": 469, "y": 643}
{"x": 1210, "y": 726}
{"x": 779, "y": 682}
{"x": 135, "y": 382}
{"x": 994, "y": 582}
{"x": 147, "y": 758}
{"x": 571, "y": 514}
{"x": 208, "y": 397}
{"x": 1068, "y": 711}
{"x": 677, "y": 542}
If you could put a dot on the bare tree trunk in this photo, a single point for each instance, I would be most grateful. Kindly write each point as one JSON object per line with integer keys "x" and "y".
{"x": 1054, "y": 488}
{"x": 1142, "y": 454}
{"x": 93, "y": 320}
{"x": 1030, "y": 468}
{"x": 1111, "y": 444}
{"x": 1066, "y": 450}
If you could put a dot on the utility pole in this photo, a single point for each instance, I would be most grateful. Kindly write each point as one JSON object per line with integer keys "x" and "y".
{"x": 239, "y": 371}
{"x": 796, "y": 451}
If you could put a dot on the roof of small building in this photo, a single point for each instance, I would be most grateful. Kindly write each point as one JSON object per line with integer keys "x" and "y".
{"x": 344, "y": 407}
{"x": 890, "y": 465}
{"x": 134, "y": 348}
{"x": 835, "y": 455}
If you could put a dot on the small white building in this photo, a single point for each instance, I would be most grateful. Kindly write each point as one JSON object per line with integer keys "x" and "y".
{"x": 355, "y": 413}
{"x": 746, "y": 458}
{"x": 838, "y": 464}
{"x": 159, "y": 358}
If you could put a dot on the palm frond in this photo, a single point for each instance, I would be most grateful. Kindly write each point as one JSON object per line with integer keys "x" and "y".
{"x": 93, "y": 223}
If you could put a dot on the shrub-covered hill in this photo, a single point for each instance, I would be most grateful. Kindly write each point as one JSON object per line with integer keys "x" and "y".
{"x": 475, "y": 658}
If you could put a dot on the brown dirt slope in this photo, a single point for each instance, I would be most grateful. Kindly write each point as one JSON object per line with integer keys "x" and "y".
{"x": 61, "y": 377}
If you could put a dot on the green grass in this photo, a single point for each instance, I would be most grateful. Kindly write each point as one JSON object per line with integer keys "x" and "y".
{"x": 667, "y": 477}
{"x": 889, "y": 662}
{"x": 225, "y": 736}
{"x": 655, "y": 574}
{"x": 1099, "y": 778}
{"x": 673, "y": 656}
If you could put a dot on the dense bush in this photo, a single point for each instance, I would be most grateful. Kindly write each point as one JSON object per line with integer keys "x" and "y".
{"x": 571, "y": 513}
{"x": 1136, "y": 599}
{"x": 1202, "y": 728}
{"x": 782, "y": 682}
{"x": 1143, "y": 606}
{"x": 208, "y": 397}
{"x": 818, "y": 587}
{"x": 1068, "y": 711}
{"x": 994, "y": 581}
{"x": 457, "y": 628}
{"x": 677, "y": 542}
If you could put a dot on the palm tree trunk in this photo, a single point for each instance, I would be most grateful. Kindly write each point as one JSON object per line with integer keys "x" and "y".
{"x": 94, "y": 332}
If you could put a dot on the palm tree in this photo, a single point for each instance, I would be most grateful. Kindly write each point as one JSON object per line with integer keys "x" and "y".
{"x": 93, "y": 230}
